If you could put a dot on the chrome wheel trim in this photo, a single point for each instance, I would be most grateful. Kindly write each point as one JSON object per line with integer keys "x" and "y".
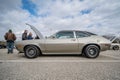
{"x": 92, "y": 51}
{"x": 31, "y": 52}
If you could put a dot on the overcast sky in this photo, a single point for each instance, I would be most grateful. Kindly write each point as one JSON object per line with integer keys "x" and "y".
{"x": 49, "y": 16}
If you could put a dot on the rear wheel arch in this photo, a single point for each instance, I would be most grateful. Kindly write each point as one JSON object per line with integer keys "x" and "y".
{"x": 88, "y": 45}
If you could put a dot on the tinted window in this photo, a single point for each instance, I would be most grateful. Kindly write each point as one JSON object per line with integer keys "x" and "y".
{"x": 89, "y": 33}
{"x": 65, "y": 35}
{"x": 80, "y": 34}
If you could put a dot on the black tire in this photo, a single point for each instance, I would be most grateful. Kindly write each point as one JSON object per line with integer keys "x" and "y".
{"x": 91, "y": 51}
{"x": 1, "y": 46}
{"x": 115, "y": 47}
{"x": 31, "y": 52}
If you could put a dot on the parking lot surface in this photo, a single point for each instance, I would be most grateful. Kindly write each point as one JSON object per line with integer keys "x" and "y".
{"x": 60, "y": 67}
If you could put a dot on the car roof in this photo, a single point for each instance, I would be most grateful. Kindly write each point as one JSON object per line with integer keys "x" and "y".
{"x": 69, "y": 30}
{"x": 87, "y": 32}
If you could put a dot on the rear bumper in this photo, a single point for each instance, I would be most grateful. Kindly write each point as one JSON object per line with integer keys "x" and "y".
{"x": 105, "y": 47}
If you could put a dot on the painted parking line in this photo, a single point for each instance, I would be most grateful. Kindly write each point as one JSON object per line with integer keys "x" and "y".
{"x": 60, "y": 61}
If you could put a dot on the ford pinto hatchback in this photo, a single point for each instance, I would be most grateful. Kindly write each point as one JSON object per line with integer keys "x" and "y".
{"x": 66, "y": 41}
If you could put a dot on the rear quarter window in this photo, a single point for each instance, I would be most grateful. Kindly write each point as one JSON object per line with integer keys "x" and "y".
{"x": 80, "y": 34}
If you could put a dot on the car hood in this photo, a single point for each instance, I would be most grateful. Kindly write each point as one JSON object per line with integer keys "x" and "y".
{"x": 38, "y": 33}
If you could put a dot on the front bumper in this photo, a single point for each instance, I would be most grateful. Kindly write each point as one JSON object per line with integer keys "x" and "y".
{"x": 20, "y": 47}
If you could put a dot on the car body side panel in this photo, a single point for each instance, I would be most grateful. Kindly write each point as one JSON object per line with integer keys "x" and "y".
{"x": 103, "y": 43}
{"x": 61, "y": 45}
{"x": 85, "y": 41}
{"x": 64, "y": 45}
{"x": 39, "y": 43}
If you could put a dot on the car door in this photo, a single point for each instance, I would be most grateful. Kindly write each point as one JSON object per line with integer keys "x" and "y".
{"x": 64, "y": 41}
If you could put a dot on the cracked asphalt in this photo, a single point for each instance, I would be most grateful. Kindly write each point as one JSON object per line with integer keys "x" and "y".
{"x": 60, "y": 67}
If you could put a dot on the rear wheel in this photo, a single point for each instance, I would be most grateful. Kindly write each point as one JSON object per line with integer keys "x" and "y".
{"x": 31, "y": 52}
{"x": 92, "y": 51}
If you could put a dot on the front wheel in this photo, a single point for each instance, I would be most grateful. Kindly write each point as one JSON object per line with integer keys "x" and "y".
{"x": 92, "y": 51}
{"x": 31, "y": 52}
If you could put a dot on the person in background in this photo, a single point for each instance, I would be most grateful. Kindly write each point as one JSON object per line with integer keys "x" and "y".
{"x": 10, "y": 38}
{"x": 30, "y": 36}
{"x": 24, "y": 35}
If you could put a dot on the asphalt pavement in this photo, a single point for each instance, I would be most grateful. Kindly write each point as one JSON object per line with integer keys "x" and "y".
{"x": 60, "y": 67}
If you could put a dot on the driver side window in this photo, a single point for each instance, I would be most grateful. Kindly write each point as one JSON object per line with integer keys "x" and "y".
{"x": 65, "y": 35}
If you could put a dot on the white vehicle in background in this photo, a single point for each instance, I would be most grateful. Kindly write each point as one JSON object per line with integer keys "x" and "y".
{"x": 115, "y": 43}
{"x": 115, "y": 46}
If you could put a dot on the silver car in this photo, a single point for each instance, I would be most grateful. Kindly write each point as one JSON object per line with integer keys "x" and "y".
{"x": 62, "y": 42}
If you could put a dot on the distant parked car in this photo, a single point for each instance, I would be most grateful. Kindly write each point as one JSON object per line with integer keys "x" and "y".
{"x": 64, "y": 41}
{"x": 115, "y": 42}
{"x": 115, "y": 46}
{"x": 2, "y": 44}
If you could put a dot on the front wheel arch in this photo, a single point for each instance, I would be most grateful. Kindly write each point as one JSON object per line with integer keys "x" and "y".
{"x": 32, "y": 45}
